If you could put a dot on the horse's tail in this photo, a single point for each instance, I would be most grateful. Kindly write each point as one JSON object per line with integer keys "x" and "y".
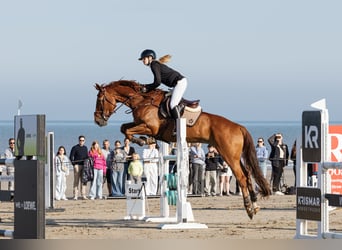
{"x": 252, "y": 164}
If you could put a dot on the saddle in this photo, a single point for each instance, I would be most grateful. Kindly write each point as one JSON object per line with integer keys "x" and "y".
{"x": 190, "y": 110}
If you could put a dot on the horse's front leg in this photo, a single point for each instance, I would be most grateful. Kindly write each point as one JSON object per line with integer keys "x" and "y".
{"x": 131, "y": 129}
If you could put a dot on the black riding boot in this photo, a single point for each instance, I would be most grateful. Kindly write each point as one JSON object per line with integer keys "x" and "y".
{"x": 175, "y": 115}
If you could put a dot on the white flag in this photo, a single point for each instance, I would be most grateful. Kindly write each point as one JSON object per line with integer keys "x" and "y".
{"x": 20, "y": 104}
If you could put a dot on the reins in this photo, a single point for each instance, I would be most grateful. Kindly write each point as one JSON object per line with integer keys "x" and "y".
{"x": 125, "y": 102}
{"x": 119, "y": 106}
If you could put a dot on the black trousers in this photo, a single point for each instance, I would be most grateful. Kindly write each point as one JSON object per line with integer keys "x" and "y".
{"x": 277, "y": 172}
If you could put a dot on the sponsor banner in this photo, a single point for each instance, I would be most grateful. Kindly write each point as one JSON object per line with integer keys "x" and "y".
{"x": 335, "y": 133}
{"x": 308, "y": 203}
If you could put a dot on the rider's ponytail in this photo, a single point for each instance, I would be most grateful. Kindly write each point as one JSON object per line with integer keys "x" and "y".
{"x": 165, "y": 59}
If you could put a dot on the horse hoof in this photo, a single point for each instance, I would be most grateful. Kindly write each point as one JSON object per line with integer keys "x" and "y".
{"x": 250, "y": 212}
{"x": 256, "y": 209}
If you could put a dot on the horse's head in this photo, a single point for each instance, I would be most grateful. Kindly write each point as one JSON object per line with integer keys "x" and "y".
{"x": 105, "y": 106}
{"x": 127, "y": 93}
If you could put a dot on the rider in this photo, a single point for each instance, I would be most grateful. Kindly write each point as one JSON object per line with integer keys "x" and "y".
{"x": 166, "y": 75}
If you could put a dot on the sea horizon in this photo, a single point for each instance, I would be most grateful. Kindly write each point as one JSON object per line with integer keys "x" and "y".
{"x": 66, "y": 132}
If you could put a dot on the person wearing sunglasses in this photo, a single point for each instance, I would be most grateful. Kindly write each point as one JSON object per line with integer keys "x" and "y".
{"x": 262, "y": 155}
{"x": 78, "y": 154}
{"x": 279, "y": 159}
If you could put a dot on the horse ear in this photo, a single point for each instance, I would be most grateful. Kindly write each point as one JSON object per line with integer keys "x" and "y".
{"x": 97, "y": 86}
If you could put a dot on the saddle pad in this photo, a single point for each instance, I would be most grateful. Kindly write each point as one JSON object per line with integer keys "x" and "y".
{"x": 191, "y": 115}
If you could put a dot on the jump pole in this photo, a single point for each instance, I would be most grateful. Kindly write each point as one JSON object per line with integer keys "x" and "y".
{"x": 183, "y": 208}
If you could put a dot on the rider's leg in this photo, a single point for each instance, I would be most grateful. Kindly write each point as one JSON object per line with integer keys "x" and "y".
{"x": 178, "y": 92}
{"x": 176, "y": 97}
{"x": 175, "y": 112}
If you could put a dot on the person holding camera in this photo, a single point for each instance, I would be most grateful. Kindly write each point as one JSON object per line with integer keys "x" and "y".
{"x": 211, "y": 167}
{"x": 279, "y": 159}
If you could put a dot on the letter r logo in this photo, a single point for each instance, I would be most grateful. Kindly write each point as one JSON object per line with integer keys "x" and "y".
{"x": 311, "y": 137}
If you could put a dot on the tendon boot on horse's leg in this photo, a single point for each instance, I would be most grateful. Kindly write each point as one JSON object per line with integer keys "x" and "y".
{"x": 255, "y": 206}
{"x": 248, "y": 206}
{"x": 175, "y": 115}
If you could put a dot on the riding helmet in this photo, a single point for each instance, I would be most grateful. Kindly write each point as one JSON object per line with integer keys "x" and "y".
{"x": 148, "y": 52}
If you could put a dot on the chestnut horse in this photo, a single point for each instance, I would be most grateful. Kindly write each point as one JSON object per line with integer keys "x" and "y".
{"x": 233, "y": 141}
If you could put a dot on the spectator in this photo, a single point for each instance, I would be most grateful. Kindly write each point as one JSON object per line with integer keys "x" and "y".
{"x": 293, "y": 157}
{"x": 129, "y": 151}
{"x": 62, "y": 166}
{"x": 100, "y": 168}
{"x": 151, "y": 158}
{"x": 197, "y": 158}
{"x": 225, "y": 174}
{"x": 135, "y": 168}
{"x": 211, "y": 166}
{"x": 78, "y": 154}
{"x": 9, "y": 154}
{"x": 262, "y": 155}
{"x": 106, "y": 152}
{"x": 118, "y": 157}
{"x": 279, "y": 159}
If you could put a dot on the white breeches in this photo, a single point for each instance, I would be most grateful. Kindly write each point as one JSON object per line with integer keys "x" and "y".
{"x": 178, "y": 92}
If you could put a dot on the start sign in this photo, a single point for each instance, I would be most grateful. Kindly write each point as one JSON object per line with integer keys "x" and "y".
{"x": 134, "y": 190}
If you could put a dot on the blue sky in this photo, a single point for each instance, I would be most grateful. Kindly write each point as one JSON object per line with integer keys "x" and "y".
{"x": 246, "y": 60}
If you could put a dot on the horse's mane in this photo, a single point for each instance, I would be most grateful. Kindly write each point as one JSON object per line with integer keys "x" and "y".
{"x": 136, "y": 86}
{"x": 130, "y": 83}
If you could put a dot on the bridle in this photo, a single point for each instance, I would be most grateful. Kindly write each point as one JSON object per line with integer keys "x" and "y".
{"x": 105, "y": 98}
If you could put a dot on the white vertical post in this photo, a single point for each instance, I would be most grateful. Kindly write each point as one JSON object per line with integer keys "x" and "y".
{"x": 49, "y": 173}
{"x": 323, "y": 178}
{"x": 164, "y": 205}
{"x": 182, "y": 171}
{"x": 323, "y": 225}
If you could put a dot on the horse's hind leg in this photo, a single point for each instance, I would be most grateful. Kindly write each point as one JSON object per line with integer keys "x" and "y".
{"x": 245, "y": 184}
{"x": 252, "y": 194}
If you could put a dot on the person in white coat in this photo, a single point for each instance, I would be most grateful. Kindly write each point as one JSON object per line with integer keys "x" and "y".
{"x": 62, "y": 165}
{"x": 150, "y": 159}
